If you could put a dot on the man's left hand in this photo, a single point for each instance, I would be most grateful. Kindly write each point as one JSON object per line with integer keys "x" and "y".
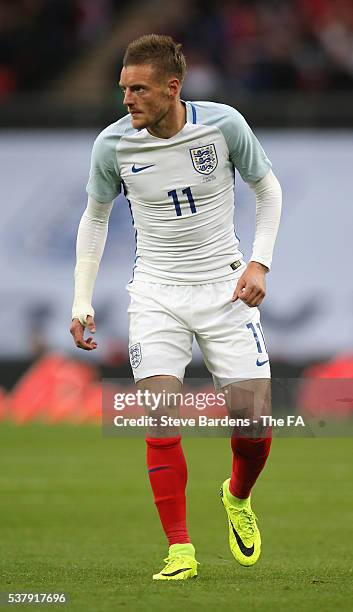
{"x": 251, "y": 286}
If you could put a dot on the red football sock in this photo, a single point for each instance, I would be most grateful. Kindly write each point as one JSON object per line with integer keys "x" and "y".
{"x": 249, "y": 458}
{"x": 168, "y": 476}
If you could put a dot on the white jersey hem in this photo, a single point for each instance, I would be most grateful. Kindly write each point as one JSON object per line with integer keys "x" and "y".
{"x": 147, "y": 277}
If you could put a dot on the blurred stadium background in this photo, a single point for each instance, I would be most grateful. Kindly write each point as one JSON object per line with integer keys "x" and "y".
{"x": 287, "y": 65}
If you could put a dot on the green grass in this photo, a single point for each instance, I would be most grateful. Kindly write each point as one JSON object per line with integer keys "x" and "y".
{"x": 76, "y": 515}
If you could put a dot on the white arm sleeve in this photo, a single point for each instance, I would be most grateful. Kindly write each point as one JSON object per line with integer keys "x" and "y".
{"x": 91, "y": 238}
{"x": 268, "y": 212}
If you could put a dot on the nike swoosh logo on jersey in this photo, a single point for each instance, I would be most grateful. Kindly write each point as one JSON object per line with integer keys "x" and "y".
{"x": 261, "y": 363}
{"x": 134, "y": 169}
{"x": 247, "y": 552}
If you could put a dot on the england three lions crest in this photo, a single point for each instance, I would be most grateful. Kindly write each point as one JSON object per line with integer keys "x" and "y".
{"x": 135, "y": 354}
{"x": 204, "y": 159}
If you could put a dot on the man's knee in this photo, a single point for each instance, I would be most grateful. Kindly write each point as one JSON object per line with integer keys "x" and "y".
{"x": 161, "y": 396}
{"x": 249, "y": 402}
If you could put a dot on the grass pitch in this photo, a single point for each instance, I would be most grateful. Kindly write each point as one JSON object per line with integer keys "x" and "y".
{"x": 77, "y": 516}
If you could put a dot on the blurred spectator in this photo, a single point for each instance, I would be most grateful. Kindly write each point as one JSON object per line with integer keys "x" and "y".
{"x": 202, "y": 80}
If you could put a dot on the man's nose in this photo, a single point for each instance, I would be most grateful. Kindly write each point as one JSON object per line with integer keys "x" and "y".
{"x": 128, "y": 98}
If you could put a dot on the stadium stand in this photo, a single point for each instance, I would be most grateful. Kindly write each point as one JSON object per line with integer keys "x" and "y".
{"x": 253, "y": 46}
{"x": 38, "y": 39}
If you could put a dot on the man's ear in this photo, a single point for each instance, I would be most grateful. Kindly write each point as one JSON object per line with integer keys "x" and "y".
{"x": 174, "y": 87}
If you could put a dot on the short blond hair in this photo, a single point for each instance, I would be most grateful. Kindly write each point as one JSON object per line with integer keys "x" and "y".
{"x": 158, "y": 50}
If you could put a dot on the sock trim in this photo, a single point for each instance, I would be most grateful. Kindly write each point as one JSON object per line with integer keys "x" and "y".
{"x": 156, "y": 469}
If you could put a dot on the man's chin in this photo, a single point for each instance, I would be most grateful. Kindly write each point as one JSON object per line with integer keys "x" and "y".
{"x": 138, "y": 123}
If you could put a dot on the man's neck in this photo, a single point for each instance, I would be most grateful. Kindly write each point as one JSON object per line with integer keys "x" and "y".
{"x": 172, "y": 123}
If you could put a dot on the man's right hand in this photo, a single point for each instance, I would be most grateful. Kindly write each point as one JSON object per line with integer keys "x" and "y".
{"x": 77, "y": 331}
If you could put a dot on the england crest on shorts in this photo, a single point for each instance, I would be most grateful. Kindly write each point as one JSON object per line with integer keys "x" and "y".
{"x": 204, "y": 159}
{"x": 135, "y": 355}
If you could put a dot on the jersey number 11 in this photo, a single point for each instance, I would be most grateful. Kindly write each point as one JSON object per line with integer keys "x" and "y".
{"x": 187, "y": 191}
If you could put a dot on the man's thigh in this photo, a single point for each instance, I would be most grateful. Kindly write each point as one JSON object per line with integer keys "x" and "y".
{"x": 230, "y": 337}
{"x": 160, "y": 341}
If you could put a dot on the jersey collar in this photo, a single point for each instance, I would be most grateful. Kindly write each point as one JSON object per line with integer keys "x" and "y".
{"x": 191, "y": 116}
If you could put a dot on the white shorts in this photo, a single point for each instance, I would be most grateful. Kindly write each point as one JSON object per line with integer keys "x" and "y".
{"x": 165, "y": 318}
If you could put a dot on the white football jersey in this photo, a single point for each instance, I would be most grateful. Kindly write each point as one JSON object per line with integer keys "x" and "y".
{"x": 180, "y": 191}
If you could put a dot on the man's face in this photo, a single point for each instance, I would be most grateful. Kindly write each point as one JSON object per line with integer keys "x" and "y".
{"x": 146, "y": 94}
